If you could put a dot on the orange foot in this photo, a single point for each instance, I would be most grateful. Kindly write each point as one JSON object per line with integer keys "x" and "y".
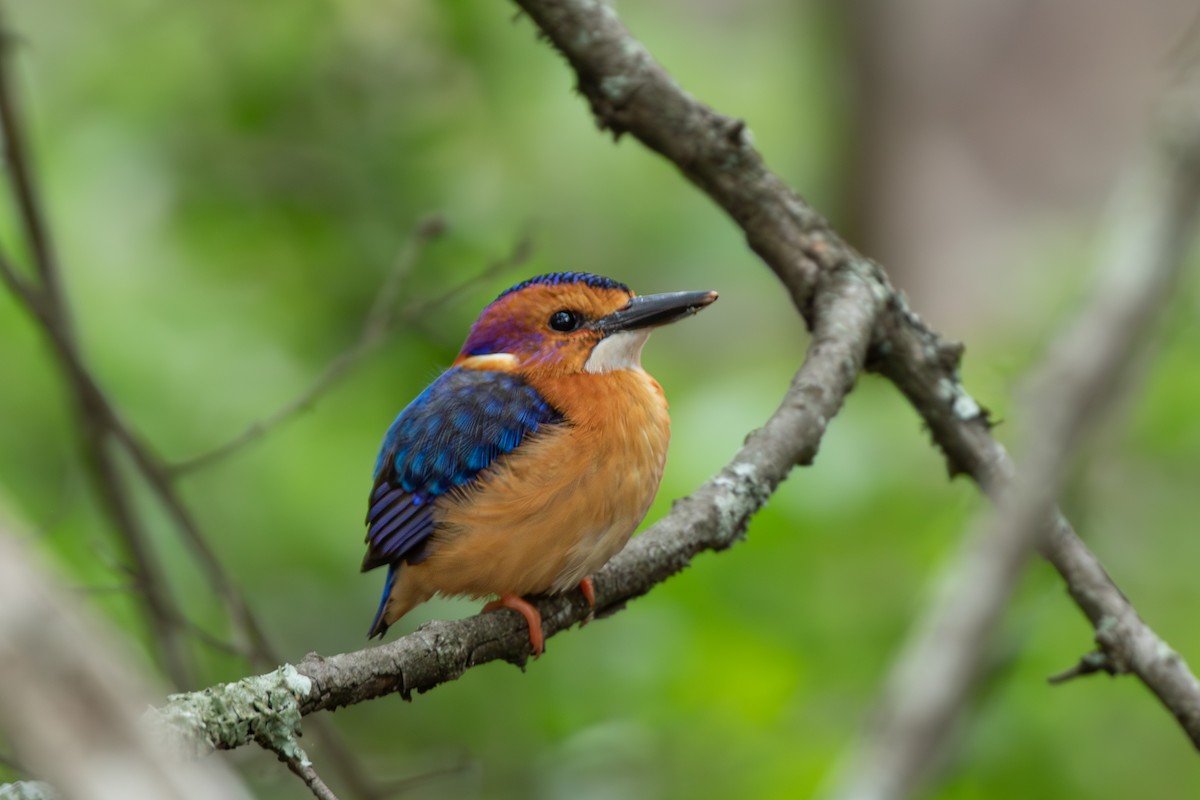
{"x": 589, "y": 593}
{"x": 532, "y": 618}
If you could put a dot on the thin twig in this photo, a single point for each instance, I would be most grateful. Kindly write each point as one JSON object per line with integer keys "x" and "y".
{"x": 383, "y": 310}
{"x": 381, "y": 320}
{"x": 21, "y": 288}
{"x": 402, "y": 786}
{"x": 303, "y": 769}
{"x": 1089, "y": 664}
{"x": 23, "y": 185}
{"x": 377, "y": 322}
{"x": 159, "y": 601}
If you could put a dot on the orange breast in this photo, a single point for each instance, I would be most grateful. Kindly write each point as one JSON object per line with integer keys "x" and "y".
{"x": 560, "y": 506}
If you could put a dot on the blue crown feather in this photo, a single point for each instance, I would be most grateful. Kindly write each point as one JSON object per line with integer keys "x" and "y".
{"x": 566, "y": 278}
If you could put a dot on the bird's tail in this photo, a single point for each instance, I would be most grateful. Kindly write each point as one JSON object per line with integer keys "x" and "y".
{"x": 379, "y": 626}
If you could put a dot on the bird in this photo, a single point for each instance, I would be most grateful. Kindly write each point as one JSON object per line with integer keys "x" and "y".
{"x": 528, "y": 464}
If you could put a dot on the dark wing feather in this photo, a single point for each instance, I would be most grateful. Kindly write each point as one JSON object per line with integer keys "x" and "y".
{"x": 455, "y": 429}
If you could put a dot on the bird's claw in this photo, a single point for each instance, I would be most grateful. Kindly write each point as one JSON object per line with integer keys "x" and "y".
{"x": 589, "y": 594}
{"x": 533, "y": 618}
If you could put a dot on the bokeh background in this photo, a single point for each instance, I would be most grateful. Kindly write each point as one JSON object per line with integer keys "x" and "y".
{"x": 229, "y": 184}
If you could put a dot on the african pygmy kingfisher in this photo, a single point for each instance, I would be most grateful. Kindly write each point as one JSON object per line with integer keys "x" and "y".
{"x": 528, "y": 464}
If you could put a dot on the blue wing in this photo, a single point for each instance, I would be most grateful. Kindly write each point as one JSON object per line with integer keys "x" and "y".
{"x": 459, "y": 425}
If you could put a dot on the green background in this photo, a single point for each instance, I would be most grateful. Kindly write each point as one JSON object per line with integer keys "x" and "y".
{"x": 228, "y": 184}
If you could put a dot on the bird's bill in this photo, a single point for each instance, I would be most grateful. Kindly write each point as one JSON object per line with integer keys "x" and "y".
{"x": 653, "y": 310}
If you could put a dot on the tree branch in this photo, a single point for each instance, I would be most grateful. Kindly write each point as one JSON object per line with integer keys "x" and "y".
{"x": 104, "y": 430}
{"x": 23, "y": 185}
{"x": 630, "y": 93}
{"x": 302, "y": 768}
{"x": 938, "y": 666}
{"x": 47, "y": 304}
{"x": 379, "y": 321}
{"x": 382, "y": 319}
{"x": 1173, "y": 181}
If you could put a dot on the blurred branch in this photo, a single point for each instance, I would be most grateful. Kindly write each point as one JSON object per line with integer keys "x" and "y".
{"x": 938, "y": 666}
{"x": 382, "y": 319}
{"x": 28, "y": 790}
{"x": 378, "y": 322}
{"x": 1089, "y": 663}
{"x": 303, "y": 769}
{"x": 631, "y": 93}
{"x": 73, "y": 705}
{"x": 24, "y": 187}
{"x": 712, "y": 518}
{"x": 106, "y": 436}
{"x": 45, "y": 301}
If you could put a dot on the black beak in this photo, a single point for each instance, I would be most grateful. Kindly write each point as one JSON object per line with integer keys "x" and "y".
{"x": 652, "y": 310}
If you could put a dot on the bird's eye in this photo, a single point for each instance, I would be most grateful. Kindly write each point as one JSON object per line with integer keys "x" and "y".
{"x": 564, "y": 320}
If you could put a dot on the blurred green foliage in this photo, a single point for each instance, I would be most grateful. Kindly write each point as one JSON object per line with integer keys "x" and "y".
{"x": 228, "y": 185}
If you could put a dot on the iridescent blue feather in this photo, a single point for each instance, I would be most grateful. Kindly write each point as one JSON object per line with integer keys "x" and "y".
{"x": 559, "y": 278}
{"x": 455, "y": 429}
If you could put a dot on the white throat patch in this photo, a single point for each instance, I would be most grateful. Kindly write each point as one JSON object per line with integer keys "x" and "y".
{"x": 618, "y": 351}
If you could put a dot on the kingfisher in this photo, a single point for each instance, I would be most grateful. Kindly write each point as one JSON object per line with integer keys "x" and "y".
{"x": 527, "y": 465}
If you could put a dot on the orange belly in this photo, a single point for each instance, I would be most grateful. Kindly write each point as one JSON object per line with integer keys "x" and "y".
{"x": 558, "y": 508}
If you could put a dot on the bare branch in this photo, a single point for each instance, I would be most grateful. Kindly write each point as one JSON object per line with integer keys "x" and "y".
{"x": 47, "y": 304}
{"x": 302, "y": 768}
{"x": 103, "y": 427}
{"x": 22, "y": 289}
{"x": 165, "y": 616}
{"x": 932, "y": 678}
{"x": 1171, "y": 183}
{"x": 22, "y": 183}
{"x": 1091, "y": 663}
{"x": 99, "y": 420}
{"x": 630, "y": 93}
{"x": 381, "y": 320}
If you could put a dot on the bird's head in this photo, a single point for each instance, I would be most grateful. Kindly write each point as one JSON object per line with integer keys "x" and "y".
{"x": 570, "y": 322}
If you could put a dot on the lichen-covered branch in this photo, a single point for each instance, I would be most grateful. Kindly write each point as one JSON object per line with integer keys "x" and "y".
{"x": 72, "y": 700}
{"x": 28, "y": 790}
